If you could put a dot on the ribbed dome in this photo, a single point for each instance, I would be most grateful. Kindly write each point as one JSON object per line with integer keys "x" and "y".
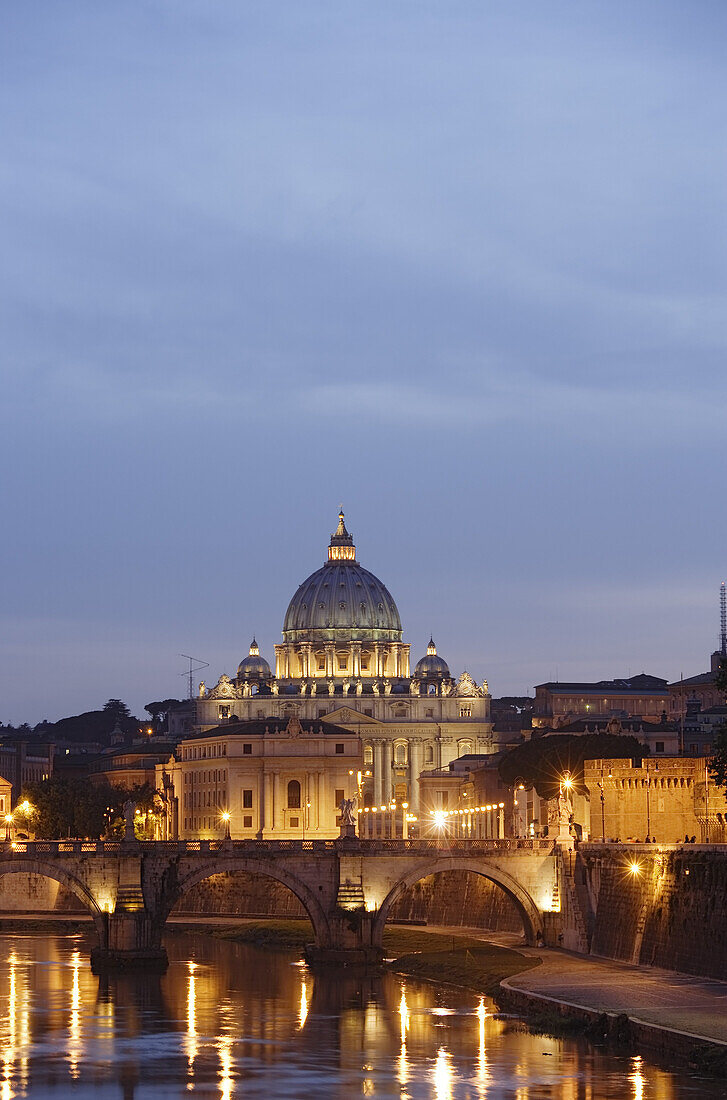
{"x": 342, "y": 600}
{"x": 432, "y": 666}
{"x": 254, "y": 667}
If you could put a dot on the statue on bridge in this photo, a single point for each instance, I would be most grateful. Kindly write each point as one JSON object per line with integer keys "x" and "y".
{"x": 129, "y": 812}
{"x": 347, "y": 806}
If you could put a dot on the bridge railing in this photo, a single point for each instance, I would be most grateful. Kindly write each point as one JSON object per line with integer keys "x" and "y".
{"x": 46, "y": 848}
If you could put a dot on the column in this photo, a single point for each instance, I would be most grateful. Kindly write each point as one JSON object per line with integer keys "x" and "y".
{"x": 387, "y": 749}
{"x": 377, "y": 661}
{"x": 355, "y": 659}
{"x": 414, "y": 769}
{"x": 266, "y": 806}
{"x": 320, "y": 801}
{"x": 276, "y": 816}
{"x": 330, "y": 661}
{"x": 378, "y": 774}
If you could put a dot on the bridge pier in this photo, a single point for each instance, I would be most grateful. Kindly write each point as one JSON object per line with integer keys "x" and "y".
{"x": 128, "y": 941}
{"x": 351, "y": 940}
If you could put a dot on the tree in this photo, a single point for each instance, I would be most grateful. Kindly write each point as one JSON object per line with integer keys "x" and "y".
{"x": 159, "y": 712}
{"x": 718, "y": 763}
{"x": 543, "y": 761}
{"x": 117, "y": 709}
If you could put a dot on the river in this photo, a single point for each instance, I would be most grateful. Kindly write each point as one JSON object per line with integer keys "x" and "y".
{"x": 234, "y": 1021}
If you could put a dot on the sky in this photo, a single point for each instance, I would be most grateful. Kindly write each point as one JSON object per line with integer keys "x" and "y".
{"x": 458, "y": 267}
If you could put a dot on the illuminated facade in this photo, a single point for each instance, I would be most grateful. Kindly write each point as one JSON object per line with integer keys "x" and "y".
{"x": 343, "y": 659}
{"x": 259, "y": 779}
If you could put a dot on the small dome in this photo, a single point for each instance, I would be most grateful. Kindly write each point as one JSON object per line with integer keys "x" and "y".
{"x": 254, "y": 667}
{"x": 432, "y": 667}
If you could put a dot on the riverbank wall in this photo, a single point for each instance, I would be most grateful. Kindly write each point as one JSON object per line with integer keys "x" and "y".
{"x": 657, "y": 906}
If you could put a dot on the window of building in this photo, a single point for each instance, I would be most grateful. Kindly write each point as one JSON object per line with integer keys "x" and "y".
{"x": 443, "y": 799}
{"x": 223, "y": 711}
{"x": 294, "y": 822}
{"x": 247, "y": 822}
{"x": 293, "y": 795}
{"x": 261, "y": 714}
{"x": 368, "y": 755}
{"x": 429, "y": 754}
{"x": 465, "y": 747}
{"x": 342, "y": 664}
{"x": 339, "y": 748}
{"x": 247, "y": 750}
{"x": 321, "y": 712}
{"x": 247, "y": 800}
{"x": 431, "y": 689}
{"x": 364, "y": 662}
{"x": 428, "y": 713}
{"x": 321, "y": 663}
{"x": 659, "y": 746}
{"x": 465, "y": 712}
{"x": 338, "y": 797}
{"x": 400, "y": 754}
{"x": 369, "y": 712}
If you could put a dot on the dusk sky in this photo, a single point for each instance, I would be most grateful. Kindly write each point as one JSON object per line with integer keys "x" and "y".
{"x": 459, "y": 267}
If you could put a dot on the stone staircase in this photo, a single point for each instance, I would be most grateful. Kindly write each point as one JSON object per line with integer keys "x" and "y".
{"x": 350, "y": 895}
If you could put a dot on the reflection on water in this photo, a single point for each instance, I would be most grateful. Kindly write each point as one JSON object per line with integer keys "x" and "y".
{"x": 231, "y": 1021}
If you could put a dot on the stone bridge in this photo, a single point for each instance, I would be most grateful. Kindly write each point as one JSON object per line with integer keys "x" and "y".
{"x": 346, "y": 886}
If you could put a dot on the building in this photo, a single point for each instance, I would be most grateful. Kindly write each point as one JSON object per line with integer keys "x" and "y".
{"x": 275, "y": 779}
{"x": 666, "y": 799}
{"x": 24, "y": 762}
{"x": 702, "y": 687}
{"x": 343, "y": 659}
{"x": 133, "y": 765}
{"x": 701, "y": 727}
{"x": 663, "y": 737}
{"x": 639, "y": 696}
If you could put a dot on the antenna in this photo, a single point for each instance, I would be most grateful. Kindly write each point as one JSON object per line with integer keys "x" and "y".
{"x": 193, "y": 667}
{"x": 723, "y": 620}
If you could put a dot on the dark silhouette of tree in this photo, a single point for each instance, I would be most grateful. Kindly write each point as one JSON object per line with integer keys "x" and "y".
{"x": 543, "y": 761}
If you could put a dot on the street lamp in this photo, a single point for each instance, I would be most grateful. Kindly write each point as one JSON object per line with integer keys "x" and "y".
{"x": 226, "y": 819}
{"x": 8, "y": 823}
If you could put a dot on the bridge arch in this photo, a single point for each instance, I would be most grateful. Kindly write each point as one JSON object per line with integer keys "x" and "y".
{"x": 266, "y": 868}
{"x": 528, "y": 911}
{"x": 57, "y": 872}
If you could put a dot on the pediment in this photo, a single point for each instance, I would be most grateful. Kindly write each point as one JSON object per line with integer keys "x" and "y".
{"x": 349, "y": 716}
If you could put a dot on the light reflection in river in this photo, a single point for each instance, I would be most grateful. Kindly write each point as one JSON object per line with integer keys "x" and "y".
{"x": 232, "y": 1022}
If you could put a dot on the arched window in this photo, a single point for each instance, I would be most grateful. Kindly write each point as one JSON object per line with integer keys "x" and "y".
{"x": 465, "y": 747}
{"x": 431, "y": 689}
{"x": 429, "y": 754}
{"x": 368, "y": 755}
{"x": 294, "y": 795}
{"x": 253, "y": 689}
{"x": 400, "y": 754}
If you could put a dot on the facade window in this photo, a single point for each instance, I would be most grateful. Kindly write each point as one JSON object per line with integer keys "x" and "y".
{"x": 321, "y": 712}
{"x": 247, "y": 750}
{"x": 429, "y": 714}
{"x": 369, "y": 712}
{"x": 400, "y": 754}
{"x": 465, "y": 748}
{"x": 293, "y": 795}
{"x": 261, "y": 714}
{"x": 321, "y": 663}
{"x": 223, "y": 711}
{"x": 444, "y": 799}
{"x": 339, "y": 748}
{"x": 364, "y": 662}
{"x": 431, "y": 689}
{"x": 247, "y": 822}
{"x": 342, "y": 664}
{"x": 659, "y": 746}
{"x": 338, "y": 796}
{"x": 247, "y": 800}
{"x": 368, "y": 755}
{"x": 429, "y": 754}
{"x": 294, "y": 823}
{"x": 465, "y": 712}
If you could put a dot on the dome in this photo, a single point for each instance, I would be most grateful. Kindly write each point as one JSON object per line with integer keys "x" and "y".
{"x": 342, "y": 600}
{"x": 432, "y": 667}
{"x": 254, "y": 667}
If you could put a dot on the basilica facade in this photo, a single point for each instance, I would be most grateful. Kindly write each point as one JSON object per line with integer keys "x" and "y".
{"x": 343, "y": 660}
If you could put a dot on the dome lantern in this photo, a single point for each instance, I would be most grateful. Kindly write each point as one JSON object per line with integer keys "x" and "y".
{"x": 341, "y": 547}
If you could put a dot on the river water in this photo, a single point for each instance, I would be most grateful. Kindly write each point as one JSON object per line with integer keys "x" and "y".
{"x": 233, "y": 1021}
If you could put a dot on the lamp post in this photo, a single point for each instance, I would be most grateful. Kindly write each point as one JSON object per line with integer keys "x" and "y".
{"x": 226, "y": 819}
{"x": 8, "y": 823}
